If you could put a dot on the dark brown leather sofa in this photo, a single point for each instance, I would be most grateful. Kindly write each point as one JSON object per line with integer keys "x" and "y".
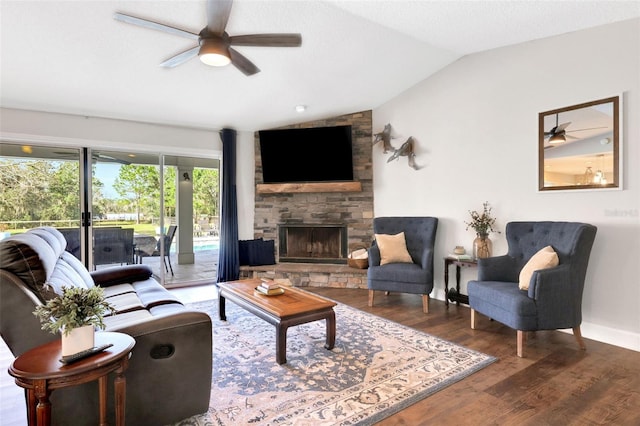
{"x": 169, "y": 374}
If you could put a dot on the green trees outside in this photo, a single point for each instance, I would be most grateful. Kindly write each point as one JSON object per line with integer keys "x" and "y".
{"x": 40, "y": 190}
{"x": 139, "y": 188}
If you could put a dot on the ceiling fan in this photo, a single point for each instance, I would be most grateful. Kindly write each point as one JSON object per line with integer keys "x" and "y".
{"x": 214, "y": 44}
{"x": 559, "y": 133}
{"x": 95, "y": 157}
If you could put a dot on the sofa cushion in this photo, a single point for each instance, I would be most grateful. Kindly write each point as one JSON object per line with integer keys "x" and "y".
{"x": 545, "y": 258}
{"x": 393, "y": 248}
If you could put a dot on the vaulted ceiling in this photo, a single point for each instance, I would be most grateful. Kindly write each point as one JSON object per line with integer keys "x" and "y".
{"x": 74, "y": 57}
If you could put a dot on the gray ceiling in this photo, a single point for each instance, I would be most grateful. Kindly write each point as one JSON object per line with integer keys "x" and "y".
{"x": 73, "y": 57}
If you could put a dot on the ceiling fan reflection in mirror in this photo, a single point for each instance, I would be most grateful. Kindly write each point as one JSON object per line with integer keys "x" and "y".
{"x": 559, "y": 133}
{"x": 214, "y": 44}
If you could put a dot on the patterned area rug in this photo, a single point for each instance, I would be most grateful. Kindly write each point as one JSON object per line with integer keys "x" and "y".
{"x": 376, "y": 369}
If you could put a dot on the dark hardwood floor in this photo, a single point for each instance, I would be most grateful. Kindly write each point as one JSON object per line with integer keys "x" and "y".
{"x": 556, "y": 384}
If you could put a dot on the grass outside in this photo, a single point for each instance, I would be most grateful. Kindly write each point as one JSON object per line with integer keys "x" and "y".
{"x": 138, "y": 228}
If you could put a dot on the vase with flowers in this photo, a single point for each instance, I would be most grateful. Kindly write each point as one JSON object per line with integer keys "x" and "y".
{"x": 75, "y": 314}
{"x": 482, "y": 223}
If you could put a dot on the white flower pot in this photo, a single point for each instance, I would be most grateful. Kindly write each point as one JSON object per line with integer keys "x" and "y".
{"x": 78, "y": 339}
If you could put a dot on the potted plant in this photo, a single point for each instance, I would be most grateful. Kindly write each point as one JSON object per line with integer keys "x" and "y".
{"x": 75, "y": 314}
{"x": 482, "y": 223}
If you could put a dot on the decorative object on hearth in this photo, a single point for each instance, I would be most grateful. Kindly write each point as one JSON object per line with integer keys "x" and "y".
{"x": 482, "y": 223}
{"x": 406, "y": 150}
{"x": 214, "y": 44}
{"x": 75, "y": 314}
{"x": 359, "y": 258}
{"x": 377, "y": 368}
{"x": 385, "y": 137}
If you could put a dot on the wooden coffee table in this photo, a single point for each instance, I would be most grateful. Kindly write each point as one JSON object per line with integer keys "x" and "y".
{"x": 292, "y": 308}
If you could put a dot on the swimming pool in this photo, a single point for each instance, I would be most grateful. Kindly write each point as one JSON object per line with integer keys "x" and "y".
{"x": 208, "y": 244}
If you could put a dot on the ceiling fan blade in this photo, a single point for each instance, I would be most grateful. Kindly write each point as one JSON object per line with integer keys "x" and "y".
{"x": 556, "y": 130}
{"x": 181, "y": 58}
{"x": 154, "y": 25}
{"x": 275, "y": 40}
{"x": 109, "y": 159}
{"x": 590, "y": 128}
{"x": 242, "y": 63}
{"x": 218, "y": 12}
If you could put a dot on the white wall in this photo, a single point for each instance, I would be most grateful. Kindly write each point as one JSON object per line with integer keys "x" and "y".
{"x": 475, "y": 126}
{"x": 78, "y": 131}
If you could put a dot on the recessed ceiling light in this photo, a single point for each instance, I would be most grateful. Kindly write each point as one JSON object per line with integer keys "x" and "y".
{"x": 301, "y": 108}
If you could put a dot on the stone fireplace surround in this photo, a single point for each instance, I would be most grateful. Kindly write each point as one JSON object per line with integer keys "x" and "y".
{"x": 351, "y": 211}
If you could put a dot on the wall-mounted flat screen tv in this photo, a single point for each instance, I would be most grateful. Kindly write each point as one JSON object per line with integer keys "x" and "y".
{"x": 318, "y": 154}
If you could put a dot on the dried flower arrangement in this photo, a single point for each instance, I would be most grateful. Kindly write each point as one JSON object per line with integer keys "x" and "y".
{"x": 482, "y": 223}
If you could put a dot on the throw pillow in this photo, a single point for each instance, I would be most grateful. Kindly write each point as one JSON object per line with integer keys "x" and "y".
{"x": 393, "y": 249}
{"x": 545, "y": 258}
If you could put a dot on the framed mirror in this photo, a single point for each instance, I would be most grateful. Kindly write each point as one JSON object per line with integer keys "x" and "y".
{"x": 579, "y": 146}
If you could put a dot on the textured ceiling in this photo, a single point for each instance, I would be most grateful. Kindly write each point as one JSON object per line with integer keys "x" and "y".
{"x": 73, "y": 57}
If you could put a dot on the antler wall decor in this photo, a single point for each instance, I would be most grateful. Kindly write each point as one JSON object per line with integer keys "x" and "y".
{"x": 406, "y": 150}
{"x": 385, "y": 137}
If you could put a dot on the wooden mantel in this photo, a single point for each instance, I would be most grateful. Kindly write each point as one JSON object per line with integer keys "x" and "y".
{"x": 278, "y": 188}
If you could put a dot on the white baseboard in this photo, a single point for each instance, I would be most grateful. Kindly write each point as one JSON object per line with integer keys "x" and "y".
{"x": 612, "y": 336}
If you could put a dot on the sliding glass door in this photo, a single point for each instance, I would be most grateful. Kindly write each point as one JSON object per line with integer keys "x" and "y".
{"x": 117, "y": 208}
{"x": 40, "y": 186}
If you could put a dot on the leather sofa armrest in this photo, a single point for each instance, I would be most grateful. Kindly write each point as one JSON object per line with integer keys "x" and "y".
{"x": 171, "y": 362}
{"x": 121, "y": 275}
{"x": 499, "y": 268}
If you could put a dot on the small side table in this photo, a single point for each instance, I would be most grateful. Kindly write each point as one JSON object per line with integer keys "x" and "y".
{"x": 456, "y": 296}
{"x": 40, "y": 372}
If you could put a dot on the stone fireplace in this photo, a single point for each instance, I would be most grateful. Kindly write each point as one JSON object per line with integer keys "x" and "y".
{"x": 315, "y": 230}
{"x": 313, "y": 243}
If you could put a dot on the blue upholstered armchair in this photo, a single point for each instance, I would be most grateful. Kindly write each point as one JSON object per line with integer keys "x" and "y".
{"x": 411, "y": 274}
{"x": 553, "y": 299}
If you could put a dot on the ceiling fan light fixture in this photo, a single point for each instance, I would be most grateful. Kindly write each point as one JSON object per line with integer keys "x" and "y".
{"x": 558, "y": 138}
{"x": 214, "y": 52}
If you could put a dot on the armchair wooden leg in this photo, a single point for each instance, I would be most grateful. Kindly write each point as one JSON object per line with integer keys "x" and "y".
{"x": 371, "y": 298}
{"x": 473, "y": 319}
{"x": 425, "y": 303}
{"x": 522, "y": 337}
{"x": 578, "y": 335}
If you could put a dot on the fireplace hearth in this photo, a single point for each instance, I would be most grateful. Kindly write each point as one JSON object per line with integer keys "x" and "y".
{"x": 312, "y": 243}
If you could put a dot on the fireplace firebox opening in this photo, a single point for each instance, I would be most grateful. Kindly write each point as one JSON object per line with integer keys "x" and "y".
{"x": 312, "y": 243}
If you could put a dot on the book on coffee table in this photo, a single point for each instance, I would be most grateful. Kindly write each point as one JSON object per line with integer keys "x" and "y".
{"x": 269, "y": 284}
{"x": 269, "y": 292}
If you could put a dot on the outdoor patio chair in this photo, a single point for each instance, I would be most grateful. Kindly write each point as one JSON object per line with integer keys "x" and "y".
{"x": 167, "y": 240}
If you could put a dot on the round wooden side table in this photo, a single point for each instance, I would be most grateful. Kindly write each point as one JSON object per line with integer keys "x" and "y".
{"x": 40, "y": 372}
